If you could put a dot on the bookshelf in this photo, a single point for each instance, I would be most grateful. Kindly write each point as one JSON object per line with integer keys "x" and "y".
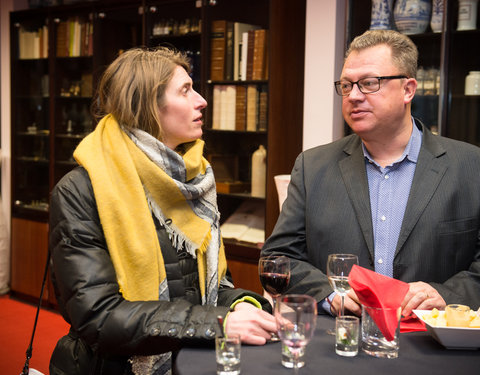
{"x": 55, "y": 93}
{"x": 57, "y": 55}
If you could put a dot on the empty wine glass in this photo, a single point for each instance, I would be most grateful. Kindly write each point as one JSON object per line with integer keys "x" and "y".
{"x": 296, "y": 317}
{"x": 274, "y": 274}
{"x": 338, "y": 268}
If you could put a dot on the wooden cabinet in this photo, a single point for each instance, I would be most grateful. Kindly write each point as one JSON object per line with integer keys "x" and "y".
{"x": 29, "y": 256}
{"x": 52, "y": 93}
{"x": 445, "y": 109}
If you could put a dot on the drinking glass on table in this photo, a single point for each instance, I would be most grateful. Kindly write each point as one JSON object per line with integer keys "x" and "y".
{"x": 274, "y": 274}
{"x": 338, "y": 268}
{"x": 296, "y": 317}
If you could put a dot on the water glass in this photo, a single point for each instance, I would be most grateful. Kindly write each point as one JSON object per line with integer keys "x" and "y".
{"x": 288, "y": 357}
{"x": 346, "y": 335}
{"x": 374, "y": 342}
{"x": 227, "y": 351}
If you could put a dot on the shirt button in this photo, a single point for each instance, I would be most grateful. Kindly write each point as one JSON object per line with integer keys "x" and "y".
{"x": 387, "y": 177}
{"x": 380, "y": 261}
{"x": 383, "y": 218}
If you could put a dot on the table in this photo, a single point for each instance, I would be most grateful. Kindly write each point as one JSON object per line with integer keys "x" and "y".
{"x": 419, "y": 354}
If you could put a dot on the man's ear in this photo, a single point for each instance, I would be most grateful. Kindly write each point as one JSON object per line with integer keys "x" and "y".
{"x": 410, "y": 89}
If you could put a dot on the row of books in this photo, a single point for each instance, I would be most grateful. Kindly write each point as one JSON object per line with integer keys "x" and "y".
{"x": 33, "y": 44}
{"x": 75, "y": 38}
{"x": 240, "y": 107}
{"x": 238, "y": 51}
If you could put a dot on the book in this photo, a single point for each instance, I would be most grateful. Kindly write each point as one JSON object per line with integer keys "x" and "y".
{"x": 262, "y": 109}
{"x": 62, "y": 46}
{"x": 218, "y": 39}
{"x": 259, "y": 54}
{"x": 246, "y": 224}
{"x": 252, "y": 107}
{"x": 244, "y": 57}
{"x": 216, "y": 107}
{"x": 229, "y": 52}
{"x": 230, "y": 107}
{"x": 241, "y": 108}
{"x": 250, "y": 46}
{"x": 239, "y": 29}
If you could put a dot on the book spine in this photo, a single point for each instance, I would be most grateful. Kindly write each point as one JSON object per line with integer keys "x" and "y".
{"x": 216, "y": 107}
{"x": 259, "y": 52}
{"x": 229, "y": 52}
{"x": 263, "y": 109}
{"x": 252, "y": 107}
{"x": 243, "y": 57}
{"x": 241, "y": 108}
{"x": 250, "y": 47}
{"x": 217, "y": 50}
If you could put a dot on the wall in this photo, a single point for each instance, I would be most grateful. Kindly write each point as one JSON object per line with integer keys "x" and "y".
{"x": 324, "y": 49}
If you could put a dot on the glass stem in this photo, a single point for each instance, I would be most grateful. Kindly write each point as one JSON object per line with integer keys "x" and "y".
{"x": 342, "y": 308}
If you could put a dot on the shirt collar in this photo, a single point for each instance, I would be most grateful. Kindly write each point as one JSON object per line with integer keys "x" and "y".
{"x": 412, "y": 150}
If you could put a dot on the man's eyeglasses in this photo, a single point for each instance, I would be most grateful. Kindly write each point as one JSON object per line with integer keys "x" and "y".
{"x": 365, "y": 85}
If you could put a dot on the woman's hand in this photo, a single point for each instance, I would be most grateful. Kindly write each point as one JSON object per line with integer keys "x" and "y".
{"x": 253, "y": 325}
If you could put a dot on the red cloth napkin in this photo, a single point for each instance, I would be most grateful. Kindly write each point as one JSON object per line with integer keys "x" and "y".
{"x": 411, "y": 324}
{"x": 380, "y": 291}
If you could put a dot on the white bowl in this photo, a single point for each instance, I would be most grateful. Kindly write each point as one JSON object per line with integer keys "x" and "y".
{"x": 452, "y": 337}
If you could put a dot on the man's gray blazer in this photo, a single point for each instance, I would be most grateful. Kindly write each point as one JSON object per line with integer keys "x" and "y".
{"x": 327, "y": 210}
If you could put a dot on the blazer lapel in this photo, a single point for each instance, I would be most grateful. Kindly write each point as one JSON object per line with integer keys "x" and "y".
{"x": 354, "y": 176}
{"x": 429, "y": 172}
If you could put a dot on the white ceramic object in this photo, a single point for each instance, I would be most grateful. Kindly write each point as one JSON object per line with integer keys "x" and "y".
{"x": 381, "y": 15}
{"x": 412, "y": 16}
{"x": 472, "y": 83}
{"x": 452, "y": 337}
{"x": 467, "y": 15}
{"x": 436, "y": 22}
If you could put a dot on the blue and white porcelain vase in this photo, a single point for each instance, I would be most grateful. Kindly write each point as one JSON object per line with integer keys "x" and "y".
{"x": 436, "y": 22}
{"x": 412, "y": 16}
{"x": 382, "y": 15}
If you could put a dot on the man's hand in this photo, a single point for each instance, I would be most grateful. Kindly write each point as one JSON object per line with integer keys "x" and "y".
{"x": 253, "y": 325}
{"x": 421, "y": 296}
{"x": 352, "y": 303}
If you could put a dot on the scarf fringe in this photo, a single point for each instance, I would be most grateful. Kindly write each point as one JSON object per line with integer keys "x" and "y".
{"x": 178, "y": 238}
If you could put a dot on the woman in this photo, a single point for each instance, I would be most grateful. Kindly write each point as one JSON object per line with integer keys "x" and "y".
{"x": 138, "y": 262}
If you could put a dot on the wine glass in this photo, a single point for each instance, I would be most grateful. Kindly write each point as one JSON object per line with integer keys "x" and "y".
{"x": 274, "y": 274}
{"x": 296, "y": 317}
{"x": 338, "y": 268}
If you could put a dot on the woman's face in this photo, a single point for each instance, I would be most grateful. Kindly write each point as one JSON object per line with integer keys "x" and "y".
{"x": 180, "y": 113}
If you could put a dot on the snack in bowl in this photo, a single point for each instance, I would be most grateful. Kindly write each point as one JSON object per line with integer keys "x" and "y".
{"x": 453, "y": 316}
{"x": 466, "y": 338}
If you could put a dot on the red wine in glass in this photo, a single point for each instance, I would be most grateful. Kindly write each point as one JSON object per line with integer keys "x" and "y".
{"x": 274, "y": 272}
{"x": 274, "y": 283}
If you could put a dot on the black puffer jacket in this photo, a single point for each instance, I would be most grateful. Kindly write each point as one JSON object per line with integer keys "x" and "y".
{"x": 105, "y": 328}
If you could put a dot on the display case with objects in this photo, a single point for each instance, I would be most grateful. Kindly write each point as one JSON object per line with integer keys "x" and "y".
{"x": 446, "y": 57}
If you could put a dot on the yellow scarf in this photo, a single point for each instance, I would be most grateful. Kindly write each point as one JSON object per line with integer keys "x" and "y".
{"x": 119, "y": 171}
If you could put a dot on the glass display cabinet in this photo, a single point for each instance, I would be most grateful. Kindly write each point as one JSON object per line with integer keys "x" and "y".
{"x": 445, "y": 60}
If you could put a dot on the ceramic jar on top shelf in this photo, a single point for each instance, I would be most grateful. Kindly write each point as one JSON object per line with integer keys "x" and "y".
{"x": 382, "y": 15}
{"x": 467, "y": 14}
{"x": 436, "y": 22}
{"x": 412, "y": 16}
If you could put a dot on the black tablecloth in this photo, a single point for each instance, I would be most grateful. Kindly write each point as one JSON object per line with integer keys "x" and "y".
{"x": 419, "y": 354}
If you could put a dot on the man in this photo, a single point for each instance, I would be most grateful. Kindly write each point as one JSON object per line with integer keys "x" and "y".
{"x": 405, "y": 201}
